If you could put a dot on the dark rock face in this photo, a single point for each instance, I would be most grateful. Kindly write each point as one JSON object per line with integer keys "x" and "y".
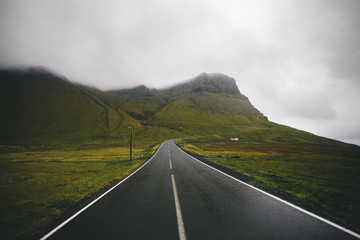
{"x": 208, "y": 82}
{"x": 263, "y": 118}
{"x": 214, "y": 82}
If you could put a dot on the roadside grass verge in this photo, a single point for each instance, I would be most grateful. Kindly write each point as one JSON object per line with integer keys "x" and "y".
{"x": 38, "y": 184}
{"x": 324, "y": 179}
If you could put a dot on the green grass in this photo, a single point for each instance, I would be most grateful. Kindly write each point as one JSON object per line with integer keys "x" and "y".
{"x": 324, "y": 178}
{"x": 38, "y": 184}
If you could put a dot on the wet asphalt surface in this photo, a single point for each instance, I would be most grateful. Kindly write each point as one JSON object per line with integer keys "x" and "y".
{"x": 213, "y": 206}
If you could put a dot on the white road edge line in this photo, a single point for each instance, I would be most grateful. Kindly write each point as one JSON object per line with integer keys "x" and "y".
{"x": 281, "y": 200}
{"x": 179, "y": 218}
{"x": 97, "y": 199}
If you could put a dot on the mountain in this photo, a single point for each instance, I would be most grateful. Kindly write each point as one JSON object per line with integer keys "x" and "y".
{"x": 206, "y": 100}
{"x": 39, "y": 106}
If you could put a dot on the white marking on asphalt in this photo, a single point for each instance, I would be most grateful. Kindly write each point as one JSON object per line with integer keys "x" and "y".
{"x": 170, "y": 164}
{"x": 87, "y": 206}
{"x": 281, "y": 200}
{"x": 179, "y": 218}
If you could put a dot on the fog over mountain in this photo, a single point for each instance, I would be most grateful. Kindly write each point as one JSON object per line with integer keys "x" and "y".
{"x": 298, "y": 61}
{"x": 42, "y": 107}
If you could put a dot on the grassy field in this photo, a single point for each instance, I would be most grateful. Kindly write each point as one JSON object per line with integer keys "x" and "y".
{"x": 38, "y": 183}
{"x": 324, "y": 178}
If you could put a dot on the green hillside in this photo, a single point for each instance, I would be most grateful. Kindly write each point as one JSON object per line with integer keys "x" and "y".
{"x": 39, "y": 106}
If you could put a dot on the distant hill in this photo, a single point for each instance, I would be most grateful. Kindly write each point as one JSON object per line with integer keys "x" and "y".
{"x": 39, "y": 106}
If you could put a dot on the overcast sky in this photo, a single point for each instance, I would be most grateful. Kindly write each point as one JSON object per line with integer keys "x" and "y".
{"x": 297, "y": 60}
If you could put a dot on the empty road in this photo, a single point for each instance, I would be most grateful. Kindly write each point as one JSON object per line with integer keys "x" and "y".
{"x": 175, "y": 196}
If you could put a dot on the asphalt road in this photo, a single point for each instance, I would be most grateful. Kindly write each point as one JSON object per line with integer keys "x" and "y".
{"x": 174, "y": 196}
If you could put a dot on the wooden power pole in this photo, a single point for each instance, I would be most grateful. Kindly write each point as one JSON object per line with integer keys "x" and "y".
{"x": 131, "y": 142}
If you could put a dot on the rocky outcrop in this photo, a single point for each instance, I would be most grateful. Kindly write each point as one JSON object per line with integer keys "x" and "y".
{"x": 208, "y": 82}
{"x": 214, "y": 82}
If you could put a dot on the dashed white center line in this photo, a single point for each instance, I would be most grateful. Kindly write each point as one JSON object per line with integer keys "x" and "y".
{"x": 180, "y": 221}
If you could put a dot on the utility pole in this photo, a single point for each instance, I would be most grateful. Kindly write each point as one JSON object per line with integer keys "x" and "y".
{"x": 131, "y": 142}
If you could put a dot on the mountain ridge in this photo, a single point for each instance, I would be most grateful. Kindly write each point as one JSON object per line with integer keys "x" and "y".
{"x": 209, "y": 82}
{"x": 43, "y": 107}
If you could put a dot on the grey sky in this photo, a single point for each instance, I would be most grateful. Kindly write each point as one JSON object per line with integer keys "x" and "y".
{"x": 297, "y": 60}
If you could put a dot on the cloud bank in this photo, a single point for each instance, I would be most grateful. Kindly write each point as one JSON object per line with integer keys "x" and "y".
{"x": 297, "y": 60}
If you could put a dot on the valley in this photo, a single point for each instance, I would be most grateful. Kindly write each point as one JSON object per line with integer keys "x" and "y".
{"x": 62, "y": 142}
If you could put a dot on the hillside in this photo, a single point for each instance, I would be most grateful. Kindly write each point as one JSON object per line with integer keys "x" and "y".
{"x": 42, "y": 107}
{"x": 208, "y": 103}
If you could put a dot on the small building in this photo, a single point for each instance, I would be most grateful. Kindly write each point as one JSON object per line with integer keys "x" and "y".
{"x": 234, "y": 139}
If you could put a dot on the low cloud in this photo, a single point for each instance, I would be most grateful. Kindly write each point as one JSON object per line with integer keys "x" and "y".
{"x": 297, "y": 61}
